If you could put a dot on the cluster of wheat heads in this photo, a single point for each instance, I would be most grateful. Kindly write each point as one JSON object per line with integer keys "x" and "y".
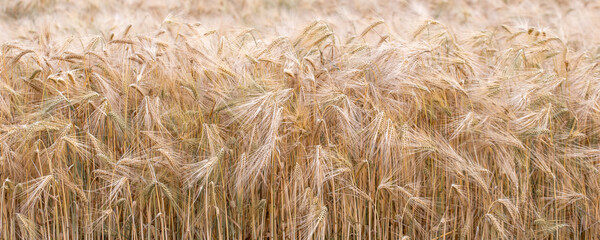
{"x": 189, "y": 133}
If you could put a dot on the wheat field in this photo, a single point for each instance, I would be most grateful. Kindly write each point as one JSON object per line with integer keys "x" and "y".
{"x": 285, "y": 119}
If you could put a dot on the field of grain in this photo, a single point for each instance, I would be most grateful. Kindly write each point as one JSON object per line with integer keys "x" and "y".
{"x": 289, "y": 119}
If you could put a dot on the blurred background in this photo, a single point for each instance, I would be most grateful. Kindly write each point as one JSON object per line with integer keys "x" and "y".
{"x": 572, "y": 21}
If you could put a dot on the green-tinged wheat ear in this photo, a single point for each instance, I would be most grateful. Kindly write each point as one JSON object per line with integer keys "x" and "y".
{"x": 171, "y": 196}
{"x": 305, "y": 31}
{"x": 322, "y": 214}
{"x": 35, "y": 73}
{"x": 320, "y": 40}
{"x": 121, "y": 41}
{"x": 370, "y": 27}
{"x": 227, "y": 71}
{"x": 27, "y": 227}
{"x": 261, "y": 204}
{"x": 423, "y": 27}
{"x": 120, "y": 202}
{"x": 497, "y": 225}
{"x": 121, "y": 122}
{"x": 104, "y": 158}
{"x": 297, "y": 172}
{"x": 18, "y": 57}
{"x": 148, "y": 191}
{"x": 358, "y": 49}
